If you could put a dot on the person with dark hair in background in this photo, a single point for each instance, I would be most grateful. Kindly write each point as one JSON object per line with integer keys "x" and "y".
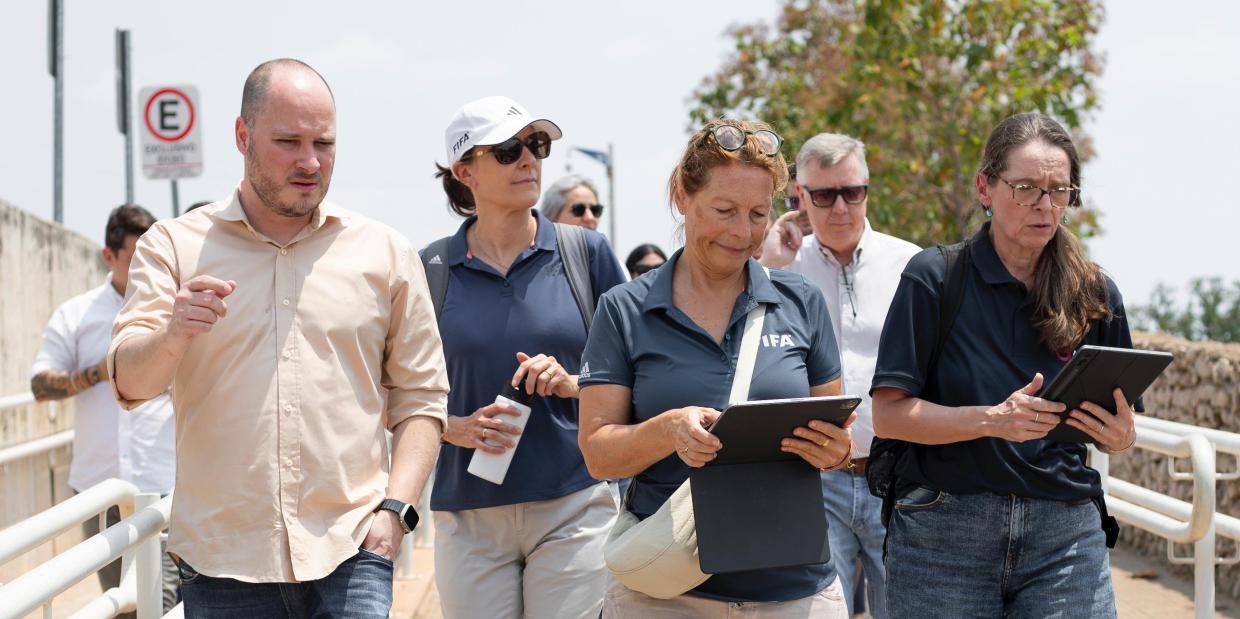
{"x": 294, "y": 334}
{"x": 198, "y": 204}
{"x": 530, "y": 542}
{"x": 990, "y": 519}
{"x": 572, "y": 200}
{"x": 644, "y": 258}
{"x": 138, "y": 446}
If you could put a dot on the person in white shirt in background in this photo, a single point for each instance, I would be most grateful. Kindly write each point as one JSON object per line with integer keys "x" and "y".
{"x": 137, "y": 447}
{"x": 858, "y": 269}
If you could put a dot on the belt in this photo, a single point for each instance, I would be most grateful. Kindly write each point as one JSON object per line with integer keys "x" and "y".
{"x": 856, "y": 466}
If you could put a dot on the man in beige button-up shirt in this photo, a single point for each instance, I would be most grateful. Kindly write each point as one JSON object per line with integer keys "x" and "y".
{"x": 293, "y": 332}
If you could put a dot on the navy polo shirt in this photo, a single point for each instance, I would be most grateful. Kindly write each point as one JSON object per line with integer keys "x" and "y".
{"x": 642, "y": 341}
{"x": 993, "y": 350}
{"x": 488, "y": 317}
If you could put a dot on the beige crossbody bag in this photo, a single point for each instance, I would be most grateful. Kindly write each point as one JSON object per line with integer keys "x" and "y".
{"x": 659, "y": 555}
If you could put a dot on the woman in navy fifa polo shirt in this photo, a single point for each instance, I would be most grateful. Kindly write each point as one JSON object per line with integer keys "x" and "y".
{"x": 533, "y": 545}
{"x": 661, "y": 356}
{"x": 992, "y": 520}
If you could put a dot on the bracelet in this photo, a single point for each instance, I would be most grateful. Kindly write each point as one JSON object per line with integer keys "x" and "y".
{"x": 838, "y": 465}
{"x": 1124, "y": 448}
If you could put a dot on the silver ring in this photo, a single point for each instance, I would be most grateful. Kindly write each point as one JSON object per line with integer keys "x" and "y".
{"x": 484, "y": 435}
{"x": 1035, "y": 417}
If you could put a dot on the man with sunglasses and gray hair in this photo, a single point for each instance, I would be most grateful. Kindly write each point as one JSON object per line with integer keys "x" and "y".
{"x": 858, "y": 269}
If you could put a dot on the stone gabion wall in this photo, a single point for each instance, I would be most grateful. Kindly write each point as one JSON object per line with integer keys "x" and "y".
{"x": 1201, "y": 388}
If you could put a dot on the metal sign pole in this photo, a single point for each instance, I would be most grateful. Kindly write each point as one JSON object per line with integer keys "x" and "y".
{"x": 122, "y": 107}
{"x": 56, "y": 62}
{"x": 176, "y": 200}
{"x": 611, "y": 192}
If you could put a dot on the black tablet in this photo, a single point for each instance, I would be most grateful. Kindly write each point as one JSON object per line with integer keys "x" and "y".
{"x": 1093, "y": 373}
{"x": 752, "y": 431}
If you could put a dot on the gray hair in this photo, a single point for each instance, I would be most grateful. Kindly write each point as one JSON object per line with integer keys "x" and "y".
{"x": 828, "y": 149}
{"x": 553, "y": 200}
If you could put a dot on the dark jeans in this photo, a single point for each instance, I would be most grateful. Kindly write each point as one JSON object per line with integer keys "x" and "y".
{"x": 359, "y": 587}
{"x": 985, "y": 555}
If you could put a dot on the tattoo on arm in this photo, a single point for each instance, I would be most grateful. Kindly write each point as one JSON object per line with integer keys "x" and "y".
{"x": 57, "y": 385}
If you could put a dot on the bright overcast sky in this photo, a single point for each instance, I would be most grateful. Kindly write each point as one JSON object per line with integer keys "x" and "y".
{"x": 1168, "y": 137}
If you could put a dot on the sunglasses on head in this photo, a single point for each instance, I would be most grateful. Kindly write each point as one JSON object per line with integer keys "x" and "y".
{"x": 509, "y": 150}
{"x": 825, "y": 197}
{"x": 579, "y": 209}
{"x": 732, "y": 138}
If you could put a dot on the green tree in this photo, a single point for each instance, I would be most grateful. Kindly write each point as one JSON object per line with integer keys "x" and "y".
{"x": 922, "y": 82}
{"x": 1211, "y": 313}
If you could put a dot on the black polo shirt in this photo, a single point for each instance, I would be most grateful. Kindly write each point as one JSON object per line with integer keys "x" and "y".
{"x": 993, "y": 350}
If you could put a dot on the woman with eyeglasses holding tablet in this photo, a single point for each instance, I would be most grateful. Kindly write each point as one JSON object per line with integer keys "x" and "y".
{"x": 662, "y": 356}
{"x": 531, "y": 545}
{"x": 990, "y": 519}
{"x": 573, "y": 200}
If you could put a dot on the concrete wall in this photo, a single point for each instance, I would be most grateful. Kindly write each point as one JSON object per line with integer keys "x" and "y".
{"x": 41, "y": 265}
{"x": 1202, "y": 388}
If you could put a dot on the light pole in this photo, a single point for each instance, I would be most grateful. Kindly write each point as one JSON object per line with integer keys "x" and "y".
{"x": 122, "y": 107}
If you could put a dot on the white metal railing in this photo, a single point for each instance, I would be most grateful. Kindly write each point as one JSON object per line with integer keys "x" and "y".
{"x": 135, "y": 540}
{"x": 1177, "y": 521}
{"x": 46, "y": 444}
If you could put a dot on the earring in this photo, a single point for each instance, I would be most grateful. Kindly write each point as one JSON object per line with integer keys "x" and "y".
{"x": 989, "y": 213}
{"x": 1065, "y": 219}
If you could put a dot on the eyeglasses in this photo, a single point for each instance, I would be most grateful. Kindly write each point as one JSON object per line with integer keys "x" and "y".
{"x": 1029, "y": 195}
{"x": 579, "y": 210}
{"x": 509, "y": 150}
{"x": 825, "y": 197}
{"x": 642, "y": 269}
{"x": 732, "y": 138}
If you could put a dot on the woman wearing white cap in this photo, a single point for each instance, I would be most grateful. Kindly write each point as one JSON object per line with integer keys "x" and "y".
{"x": 532, "y": 544}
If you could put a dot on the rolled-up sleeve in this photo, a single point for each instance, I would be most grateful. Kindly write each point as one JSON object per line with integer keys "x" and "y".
{"x": 154, "y": 279}
{"x": 414, "y": 372}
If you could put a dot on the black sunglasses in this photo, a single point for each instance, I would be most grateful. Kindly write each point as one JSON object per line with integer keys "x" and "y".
{"x": 732, "y": 138}
{"x": 825, "y": 197}
{"x": 642, "y": 269}
{"x": 509, "y": 150}
{"x": 579, "y": 210}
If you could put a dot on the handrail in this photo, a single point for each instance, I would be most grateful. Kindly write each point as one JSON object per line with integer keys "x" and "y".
{"x": 1149, "y": 510}
{"x": 34, "y": 588}
{"x": 41, "y": 527}
{"x": 16, "y": 400}
{"x": 35, "y": 447}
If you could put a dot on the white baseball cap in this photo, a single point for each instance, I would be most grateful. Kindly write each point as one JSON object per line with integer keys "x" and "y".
{"x": 487, "y": 121}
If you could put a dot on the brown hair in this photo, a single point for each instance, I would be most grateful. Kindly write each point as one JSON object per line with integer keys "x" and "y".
{"x": 1069, "y": 290}
{"x": 460, "y": 197}
{"x": 125, "y": 221}
{"x": 703, "y": 155}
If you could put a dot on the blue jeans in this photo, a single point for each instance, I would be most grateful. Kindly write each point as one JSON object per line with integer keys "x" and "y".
{"x": 855, "y": 529}
{"x": 985, "y": 555}
{"x": 359, "y": 587}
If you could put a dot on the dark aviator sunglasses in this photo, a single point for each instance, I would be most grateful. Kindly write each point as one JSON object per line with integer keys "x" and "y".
{"x": 509, "y": 151}
{"x": 825, "y": 197}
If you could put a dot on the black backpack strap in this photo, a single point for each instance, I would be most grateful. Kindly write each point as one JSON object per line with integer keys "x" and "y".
{"x": 957, "y": 257}
{"x": 575, "y": 254}
{"x": 435, "y": 262}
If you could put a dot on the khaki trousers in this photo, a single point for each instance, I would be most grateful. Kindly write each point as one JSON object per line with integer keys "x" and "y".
{"x": 538, "y": 559}
{"x": 624, "y": 603}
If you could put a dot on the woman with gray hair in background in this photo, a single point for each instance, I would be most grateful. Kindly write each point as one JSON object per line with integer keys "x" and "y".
{"x": 572, "y": 200}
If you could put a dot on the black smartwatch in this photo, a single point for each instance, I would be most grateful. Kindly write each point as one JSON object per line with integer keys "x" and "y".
{"x": 405, "y": 512}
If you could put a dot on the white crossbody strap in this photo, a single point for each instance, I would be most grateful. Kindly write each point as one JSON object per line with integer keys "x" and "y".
{"x": 748, "y": 357}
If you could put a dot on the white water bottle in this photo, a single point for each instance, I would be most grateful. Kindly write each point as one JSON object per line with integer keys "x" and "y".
{"x": 492, "y": 467}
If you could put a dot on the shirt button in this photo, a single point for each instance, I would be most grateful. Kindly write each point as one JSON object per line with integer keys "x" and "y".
{"x": 283, "y": 252}
{"x": 287, "y": 354}
{"x": 288, "y": 408}
{"x": 285, "y": 302}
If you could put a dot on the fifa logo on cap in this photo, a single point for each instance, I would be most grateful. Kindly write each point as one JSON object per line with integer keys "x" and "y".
{"x": 457, "y": 146}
